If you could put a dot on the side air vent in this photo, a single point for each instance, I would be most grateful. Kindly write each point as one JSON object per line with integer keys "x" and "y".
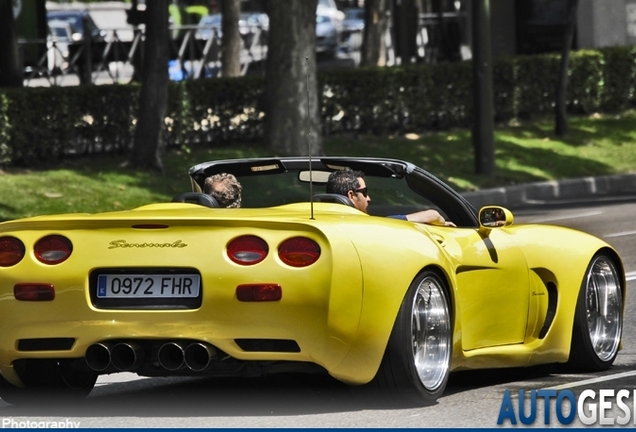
{"x": 552, "y": 305}
{"x": 46, "y": 344}
{"x": 268, "y": 345}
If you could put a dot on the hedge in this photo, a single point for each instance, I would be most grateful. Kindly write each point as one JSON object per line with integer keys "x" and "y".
{"x": 37, "y": 124}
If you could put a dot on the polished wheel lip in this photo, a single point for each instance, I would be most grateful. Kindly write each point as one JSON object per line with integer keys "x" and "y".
{"x": 604, "y": 308}
{"x": 431, "y": 334}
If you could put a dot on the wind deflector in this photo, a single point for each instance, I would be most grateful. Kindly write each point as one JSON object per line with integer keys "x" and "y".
{"x": 240, "y": 168}
{"x": 370, "y": 167}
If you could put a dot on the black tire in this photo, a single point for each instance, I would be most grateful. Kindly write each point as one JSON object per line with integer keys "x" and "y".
{"x": 598, "y": 321}
{"x": 50, "y": 380}
{"x": 416, "y": 364}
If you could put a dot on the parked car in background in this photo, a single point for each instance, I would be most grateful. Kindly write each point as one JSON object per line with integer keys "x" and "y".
{"x": 62, "y": 31}
{"x": 329, "y": 8}
{"x": 352, "y": 28}
{"x": 59, "y": 37}
{"x": 328, "y": 32}
{"x": 329, "y": 21}
{"x": 353, "y": 20}
{"x": 256, "y": 21}
{"x": 80, "y": 21}
{"x": 251, "y": 25}
{"x": 208, "y": 25}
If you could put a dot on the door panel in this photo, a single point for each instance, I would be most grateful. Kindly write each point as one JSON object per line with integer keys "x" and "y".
{"x": 492, "y": 290}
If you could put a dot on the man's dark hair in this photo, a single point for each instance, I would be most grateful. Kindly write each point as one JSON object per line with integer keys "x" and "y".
{"x": 343, "y": 181}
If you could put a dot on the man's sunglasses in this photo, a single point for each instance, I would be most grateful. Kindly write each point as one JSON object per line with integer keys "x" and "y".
{"x": 364, "y": 191}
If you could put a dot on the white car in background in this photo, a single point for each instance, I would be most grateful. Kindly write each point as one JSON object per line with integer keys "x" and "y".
{"x": 59, "y": 37}
{"x": 329, "y": 21}
{"x": 329, "y": 8}
{"x": 327, "y": 35}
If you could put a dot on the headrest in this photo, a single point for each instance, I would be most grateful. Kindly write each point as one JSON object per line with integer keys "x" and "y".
{"x": 333, "y": 198}
{"x": 197, "y": 198}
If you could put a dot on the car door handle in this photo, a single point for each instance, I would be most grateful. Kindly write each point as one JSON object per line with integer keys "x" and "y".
{"x": 439, "y": 239}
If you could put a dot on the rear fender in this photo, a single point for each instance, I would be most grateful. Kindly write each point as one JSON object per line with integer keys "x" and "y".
{"x": 387, "y": 274}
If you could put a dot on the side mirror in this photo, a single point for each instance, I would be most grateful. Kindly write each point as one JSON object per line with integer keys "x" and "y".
{"x": 494, "y": 217}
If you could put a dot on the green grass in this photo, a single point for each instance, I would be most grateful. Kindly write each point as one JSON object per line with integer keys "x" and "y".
{"x": 525, "y": 152}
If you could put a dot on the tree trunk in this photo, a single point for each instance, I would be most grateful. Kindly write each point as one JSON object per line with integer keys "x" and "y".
{"x": 405, "y": 23}
{"x": 561, "y": 120}
{"x": 10, "y": 68}
{"x": 483, "y": 105}
{"x": 292, "y": 123}
{"x": 444, "y": 50}
{"x": 134, "y": 18}
{"x": 153, "y": 101}
{"x": 231, "y": 42}
{"x": 373, "y": 50}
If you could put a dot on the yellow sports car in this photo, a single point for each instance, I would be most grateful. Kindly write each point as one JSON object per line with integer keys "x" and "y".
{"x": 298, "y": 280}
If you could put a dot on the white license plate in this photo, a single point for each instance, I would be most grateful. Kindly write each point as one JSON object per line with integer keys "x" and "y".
{"x": 148, "y": 286}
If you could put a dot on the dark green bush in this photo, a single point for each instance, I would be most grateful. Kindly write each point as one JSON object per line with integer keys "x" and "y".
{"x": 222, "y": 110}
{"x": 47, "y": 123}
{"x": 585, "y": 82}
{"x": 352, "y": 99}
{"x": 38, "y": 124}
{"x": 536, "y": 81}
{"x": 504, "y": 79}
{"x": 619, "y": 78}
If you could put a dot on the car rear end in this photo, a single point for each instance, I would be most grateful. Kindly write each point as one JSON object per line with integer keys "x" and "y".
{"x": 176, "y": 289}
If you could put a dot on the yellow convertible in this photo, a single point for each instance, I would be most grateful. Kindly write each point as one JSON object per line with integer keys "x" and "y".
{"x": 297, "y": 280}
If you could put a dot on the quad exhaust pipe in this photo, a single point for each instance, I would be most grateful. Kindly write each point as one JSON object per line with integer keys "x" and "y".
{"x": 128, "y": 356}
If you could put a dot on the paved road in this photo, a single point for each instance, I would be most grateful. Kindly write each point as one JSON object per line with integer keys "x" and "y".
{"x": 472, "y": 399}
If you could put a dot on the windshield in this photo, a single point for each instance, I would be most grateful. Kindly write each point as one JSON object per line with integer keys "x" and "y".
{"x": 389, "y": 195}
{"x": 210, "y": 20}
{"x": 354, "y": 14}
{"x": 59, "y": 32}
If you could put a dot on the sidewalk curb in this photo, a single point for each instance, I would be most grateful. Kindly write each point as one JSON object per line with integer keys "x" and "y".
{"x": 551, "y": 191}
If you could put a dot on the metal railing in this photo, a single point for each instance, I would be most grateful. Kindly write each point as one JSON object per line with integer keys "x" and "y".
{"x": 195, "y": 53}
{"x": 114, "y": 60}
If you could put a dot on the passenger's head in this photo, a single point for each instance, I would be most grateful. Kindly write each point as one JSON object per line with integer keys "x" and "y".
{"x": 225, "y": 188}
{"x": 351, "y": 184}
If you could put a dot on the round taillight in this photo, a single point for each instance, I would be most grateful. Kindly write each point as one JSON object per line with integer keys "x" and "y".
{"x": 53, "y": 249}
{"x": 11, "y": 251}
{"x": 247, "y": 250}
{"x": 299, "y": 252}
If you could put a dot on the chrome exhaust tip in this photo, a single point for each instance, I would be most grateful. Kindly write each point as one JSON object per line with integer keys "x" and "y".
{"x": 171, "y": 356}
{"x": 126, "y": 356}
{"x": 98, "y": 357}
{"x": 198, "y": 355}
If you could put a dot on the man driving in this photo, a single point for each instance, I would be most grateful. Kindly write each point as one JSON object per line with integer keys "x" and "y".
{"x": 351, "y": 184}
